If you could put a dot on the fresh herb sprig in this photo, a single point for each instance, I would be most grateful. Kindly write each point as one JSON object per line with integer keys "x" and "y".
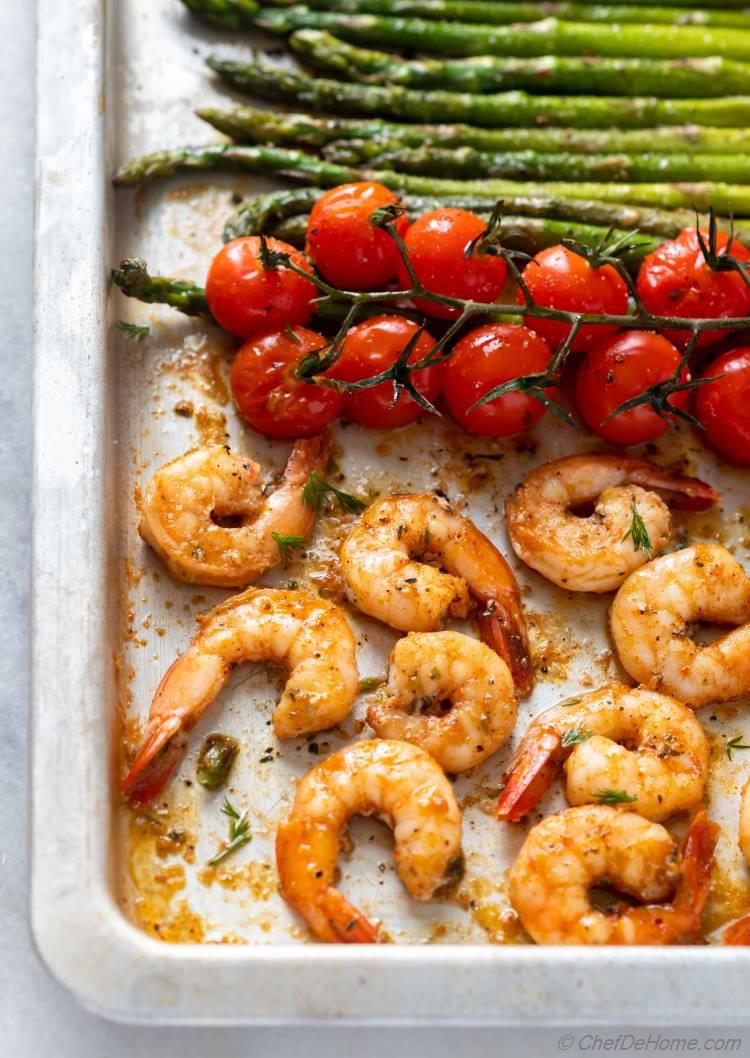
{"x": 239, "y": 833}
{"x": 614, "y": 797}
{"x": 575, "y": 735}
{"x": 133, "y": 331}
{"x": 287, "y": 544}
{"x": 638, "y": 533}
{"x": 317, "y": 490}
{"x": 734, "y": 744}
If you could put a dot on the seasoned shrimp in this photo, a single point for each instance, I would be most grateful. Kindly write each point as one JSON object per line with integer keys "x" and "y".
{"x": 651, "y": 614}
{"x": 428, "y": 669}
{"x": 395, "y": 781}
{"x": 597, "y": 552}
{"x": 566, "y": 855}
{"x": 644, "y": 744}
{"x": 385, "y": 562}
{"x": 295, "y": 628}
{"x": 205, "y": 514}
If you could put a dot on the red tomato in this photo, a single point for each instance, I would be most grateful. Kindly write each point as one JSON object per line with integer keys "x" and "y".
{"x": 437, "y": 245}
{"x": 246, "y": 299}
{"x": 675, "y": 280}
{"x": 723, "y": 406}
{"x": 486, "y": 358}
{"x": 268, "y": 393}
{"x": 348, "y": 250}
{"x": 372, "y": 347}
{"x": 621, "y": 368}
{"x": 560, "y": 279}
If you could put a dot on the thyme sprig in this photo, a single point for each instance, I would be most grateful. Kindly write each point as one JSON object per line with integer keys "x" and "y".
{"x": 313, "y": 367}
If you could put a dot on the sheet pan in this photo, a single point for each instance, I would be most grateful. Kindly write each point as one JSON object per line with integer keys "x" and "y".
{"x": 122, "y": 78}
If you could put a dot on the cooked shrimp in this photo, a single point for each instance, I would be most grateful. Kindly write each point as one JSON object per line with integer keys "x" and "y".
{"x": 566, "y": 855}
{"x": 385, "y": 561}
{"x": 295, "y": 628}
{"x": 597, "y": 552}
{"x": 395, "y": 781}
{"x": 650, "y": 747}
{"x": 205, "y": 514}
{"x": 427, "y": 670}
{"x": 651, "y": 614}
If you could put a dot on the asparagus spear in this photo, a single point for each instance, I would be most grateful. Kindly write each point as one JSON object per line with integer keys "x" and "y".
{"x": 227, "y": 14}
{"x": 492, "y": 13}
{"x": 548, "y": 37}
{"x": 502, "y": 109}
{"x": 467, "y": 163}
{"x": 671, "y": 78}
{"x": 133, "y": 279}
{"x": 249, "y": 125}
{"x": 263, "y": 212}
{"x": 725, "y": 198}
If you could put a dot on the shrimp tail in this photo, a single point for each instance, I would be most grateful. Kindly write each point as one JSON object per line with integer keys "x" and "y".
{"x": 530, "y": 775}
{"x": 677, "y": 490}
{"x": 349, "y": 924}
{"x": 309, "y": 455}
{"x": 697, "y": 861}
{"x": 155, "y": 763}
{"x": 502, "y": 627}
{"x": 738, "y": 933}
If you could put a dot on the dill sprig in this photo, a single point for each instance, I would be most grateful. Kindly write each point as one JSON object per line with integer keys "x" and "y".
{"x": 239, "y": 833}
{"x": 614, "y": 797}
{"x": 132, "y": 330}
{"x": 317, "y": 490}
{"x": 287, "y": 544}
{"x": 638, "y": 532}
{"x": 734, "y": 744}
{"x": 575, "y": 735}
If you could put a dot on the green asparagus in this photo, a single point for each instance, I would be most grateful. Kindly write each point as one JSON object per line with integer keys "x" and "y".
{"x": 548, "y": 37}
{"x": 725, "y": 198}
{"x": 492, "y": 13}
{"x": 250, "y": 125}
{"x": 271, "y": 210}
{"x": 502, "y": 109}
{"x": 684, "y": 78}
{"x": 133, "y": 279}
{"x": 227, "y": 14}
{"x": 466, "y": 162}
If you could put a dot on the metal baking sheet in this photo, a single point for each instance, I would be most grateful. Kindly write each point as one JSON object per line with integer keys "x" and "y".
{"x": 125, "y": 911}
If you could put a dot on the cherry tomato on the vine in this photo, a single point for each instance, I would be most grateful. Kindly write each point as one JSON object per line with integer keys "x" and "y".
{"x": 676, "y": 280}
{"x": 486, "y": 358}
{"x": 619, "y": 369}
{"x": 372, "y": 347}
{"x": 247, "y": 298}
{"x": 437, "y": 244}
{"x": 558, "y": 278}
{"x": 268, "y": 392}
{"x": 348, "y": 249}
{"x": 723, "y": 406}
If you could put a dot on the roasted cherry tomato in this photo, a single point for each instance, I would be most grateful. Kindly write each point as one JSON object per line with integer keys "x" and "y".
{"x": 347, "y": 248}
{"x": 558, "y": 278}
{"x": 268, "y": 393}
{"x": 246, "y": 298}
{"x": 486, "y": 358}
{"x": 676, "y": 280}
{"x": 437, "y": 244}
{"x": 723, "y": 406}
{"x": 372, "y": 347}
{"x": 619, "y": 369}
